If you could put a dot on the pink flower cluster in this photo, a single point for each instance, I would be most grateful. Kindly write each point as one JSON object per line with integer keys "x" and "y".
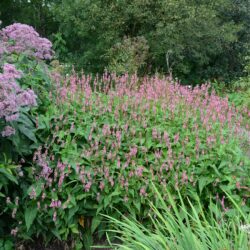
{"x": 13, "y": 97}
{"x": 55, "y": 203}
{"x": 21, "y": 38}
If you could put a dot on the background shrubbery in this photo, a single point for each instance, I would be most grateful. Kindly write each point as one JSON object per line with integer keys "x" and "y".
{"x": 197, "y": 40}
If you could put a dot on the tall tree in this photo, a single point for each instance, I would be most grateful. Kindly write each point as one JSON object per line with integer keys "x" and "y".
{"x": 183, "y": 36}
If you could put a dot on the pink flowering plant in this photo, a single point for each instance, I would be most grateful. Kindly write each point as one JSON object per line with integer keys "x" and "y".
{"x": 14, "y": 105}
{"x": 107, "y": 142}
{"x": 17, "y": 133}
{"x": 22, "y": 46}
{"x": 25, "y": 83}
{"x": 23, "y": 39}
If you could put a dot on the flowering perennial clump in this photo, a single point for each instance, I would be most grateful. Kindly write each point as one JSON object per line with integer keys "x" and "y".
{"x": 21, "y": 38}
{"x": 12, "y": 97}
{"x": 106, "y": 139}
{"x": 108, "y": 142}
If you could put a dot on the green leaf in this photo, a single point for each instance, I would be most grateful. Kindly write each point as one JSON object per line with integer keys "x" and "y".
{"x": 81, "y": 196}
{"x": 8, "y": 245}
{"x": 27, "y": 132}
{"x": 223, "y": 164}
{"x": 74, "y": 230}
{"x": 72, "y": 212}
{"x": 204, "y": 181}
{"x": 137, "y": 205}
{"x": 25, "y": 120}
{"x": 216, "y": 170}
{"x": 8, "y": 174}
{"x": 106, "y": 201}
{"x": 2, "y": 195}
{"x": 95, "y": 223}
{"x": 30, "y": 215}
{"x": 56, "y": 233}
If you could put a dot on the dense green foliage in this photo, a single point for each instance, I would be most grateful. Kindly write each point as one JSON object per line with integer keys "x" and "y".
{"x": 240, "y": 92}
{"x": 196, "y": 40}
{"x": 33, "y": 12}
{"x": 102, "y": 151}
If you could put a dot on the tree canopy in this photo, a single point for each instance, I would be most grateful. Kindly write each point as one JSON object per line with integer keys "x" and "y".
{"x": 195, "y": 40}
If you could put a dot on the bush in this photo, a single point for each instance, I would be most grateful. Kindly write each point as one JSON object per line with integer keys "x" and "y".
{"x": 129, "y": 56}
{"x": 24, "y": 74}
{"x": 22, "y": 46}
{"x": 240, "y": 94}
{"x": 106, "y": 144}
{"x": 24, "y": 92}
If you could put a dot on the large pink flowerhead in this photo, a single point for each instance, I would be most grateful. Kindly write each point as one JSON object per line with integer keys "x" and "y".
{"x": 22, "y": 38}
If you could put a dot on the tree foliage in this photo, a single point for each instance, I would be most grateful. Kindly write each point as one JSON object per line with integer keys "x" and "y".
{"x": 33, "y": 12}
{"x": 196, "y": 40}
